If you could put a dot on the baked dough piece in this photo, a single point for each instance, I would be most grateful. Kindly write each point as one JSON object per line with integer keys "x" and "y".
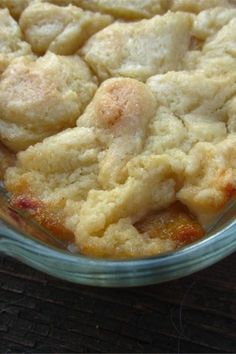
{"x": 16, "y": 7}
{"x": 210, "y": 179}
{"x": 218, "y": 54}
{"x": 139, "y": 50}
{"x": 62, "y": 30}
{"x": 72, "y": 171}
{"x": 11, "y": 42}
{"x": 209, "y": 22}
{"x": 138, "y": 9}
{"x": 6, "y": 160}
{"x": 197, "y": 6}
{"x": 131, "y": 155}
{"x": 199, "y": 120}
{"x": 192, "y": 108}
{"x": 186, "y": 92}
{"x": 39, "y": 97}
{"x": 129, "y": 10}
{"x": 231, "y": 110}
{"x": 106, "y": 127}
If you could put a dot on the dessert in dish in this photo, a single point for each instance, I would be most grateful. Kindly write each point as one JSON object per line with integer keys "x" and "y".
{"x": 12, "y": 44}
{"x": 41, "y": 96}
{"x": 123, "y": 118}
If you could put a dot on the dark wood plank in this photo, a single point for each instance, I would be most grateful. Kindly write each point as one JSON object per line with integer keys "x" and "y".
{"x": 40, "y": 314}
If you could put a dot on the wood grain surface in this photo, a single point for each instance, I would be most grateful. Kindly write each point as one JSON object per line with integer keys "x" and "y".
{"x": 40, "y": 314}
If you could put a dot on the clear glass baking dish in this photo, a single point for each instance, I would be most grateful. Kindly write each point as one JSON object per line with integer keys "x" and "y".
{"x": 24, "y": 240}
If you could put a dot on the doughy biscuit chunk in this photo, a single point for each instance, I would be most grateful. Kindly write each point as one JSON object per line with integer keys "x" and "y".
{"x": 139, "y": 50}
{"x": 16, "y": 7}
{"x": 139, "y": 9}
{"x": 120, "y": 110}
{"x": 186, "y": 92}
{"x": 62, "y": 30}
{"x": 206, "y": 108}
{"x": 11, "y": 42}
{"x": 209, "y": 22}
{"x": 231, "y": 110}
{"x": 6, "y": 160}
{"x": 197, "y": 6}
{"x": 39, "y": 97}
{"x": 218, "y": 54}
{"x": 122, "y": 204}
{"x": 196, "y": 109}
{"x": 221, "y": 47}
{"x": 129, "y": 10}
{"x": 210, "y": 179}
{"x": 70, "y": 171}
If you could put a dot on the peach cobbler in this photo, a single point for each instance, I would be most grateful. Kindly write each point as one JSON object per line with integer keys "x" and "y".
{"x": 118, "y": 119}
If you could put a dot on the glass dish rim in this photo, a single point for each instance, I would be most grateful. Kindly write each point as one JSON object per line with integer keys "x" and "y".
{"x": 108, "y": 272}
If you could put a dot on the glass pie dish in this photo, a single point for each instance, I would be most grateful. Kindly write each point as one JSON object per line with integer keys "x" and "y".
{"x": 23, "y": 239}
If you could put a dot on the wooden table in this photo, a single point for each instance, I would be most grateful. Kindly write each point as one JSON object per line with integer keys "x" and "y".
{"x": 40, "y": 314}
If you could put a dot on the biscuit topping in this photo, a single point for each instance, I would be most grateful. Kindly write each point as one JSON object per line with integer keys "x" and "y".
{"x": 123, "y": 117}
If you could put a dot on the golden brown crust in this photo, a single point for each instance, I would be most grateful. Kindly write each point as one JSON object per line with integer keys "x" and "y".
{"x": 44, "y": 214}
{"x": 174, "y": 223}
